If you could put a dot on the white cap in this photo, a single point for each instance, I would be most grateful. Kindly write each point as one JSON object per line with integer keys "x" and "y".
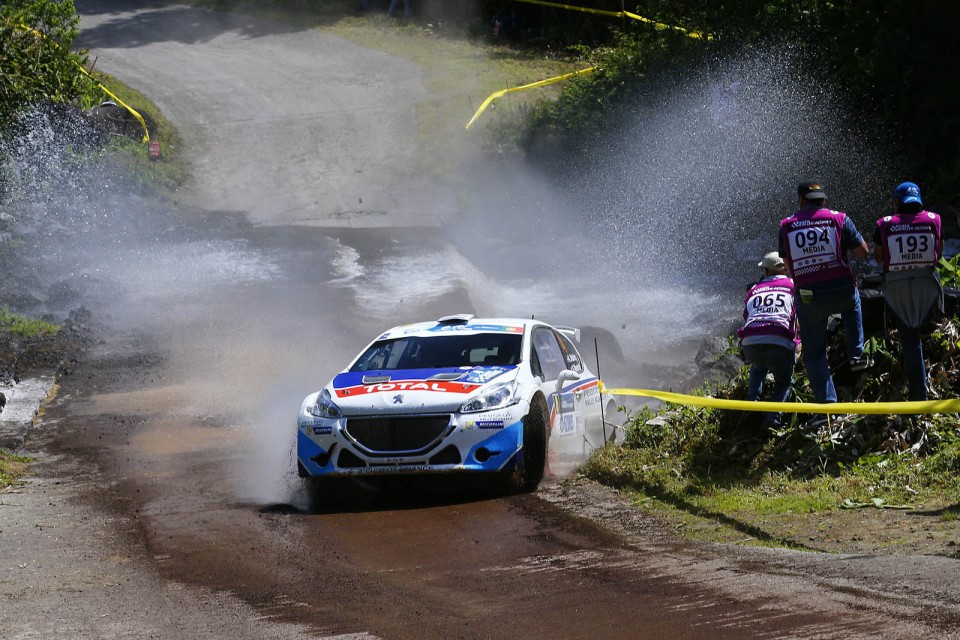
{"x": 771, "y": 261}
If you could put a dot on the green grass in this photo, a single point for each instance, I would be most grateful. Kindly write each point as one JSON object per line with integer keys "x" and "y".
{"x": 459, "y": 75}
{"x": 777, "y": 510}
{"x": 159, "y": 177}
{"x": 12, "y": 468}
{"x": 25, "y": 327}
{"x": 719, "y": 474}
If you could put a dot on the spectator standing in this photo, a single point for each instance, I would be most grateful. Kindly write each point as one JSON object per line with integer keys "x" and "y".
{"x": 908, "y": 245}
{"x": 769, "y": 333}
{"x": 814, "y": 243}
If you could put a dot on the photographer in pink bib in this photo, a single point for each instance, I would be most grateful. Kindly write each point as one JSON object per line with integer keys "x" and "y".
{"x": 908, "y": 245}
{"x": 814, "y": 243}
{"x": 768, "y": 336}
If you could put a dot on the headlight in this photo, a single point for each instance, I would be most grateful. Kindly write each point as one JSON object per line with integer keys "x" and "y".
{"x": 496, "y": 397}
{"x": 325, "y": 407}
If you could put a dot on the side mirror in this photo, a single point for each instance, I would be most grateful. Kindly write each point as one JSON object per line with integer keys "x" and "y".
{"x": 566, "y": 376}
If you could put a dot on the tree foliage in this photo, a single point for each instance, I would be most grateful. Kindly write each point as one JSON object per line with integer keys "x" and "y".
{"x": 37, "y": 65}
{"x": 892, "y": 60}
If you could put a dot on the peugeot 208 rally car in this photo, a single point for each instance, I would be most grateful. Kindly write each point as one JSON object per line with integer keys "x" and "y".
{"x": 505, "y": 397}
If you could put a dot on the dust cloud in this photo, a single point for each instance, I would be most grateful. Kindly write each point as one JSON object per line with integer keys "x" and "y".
{"x": 241, "y": 334}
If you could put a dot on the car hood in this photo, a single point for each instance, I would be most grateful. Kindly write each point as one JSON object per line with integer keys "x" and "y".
{"x": 414, "y": 390}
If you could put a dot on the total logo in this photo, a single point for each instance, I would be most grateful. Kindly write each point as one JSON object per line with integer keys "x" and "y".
{"x": 441, "y": 386}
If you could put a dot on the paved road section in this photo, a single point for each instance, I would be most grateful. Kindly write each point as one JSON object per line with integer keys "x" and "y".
{"x": 287, "y": 125}
{"x": 18, "y": 407}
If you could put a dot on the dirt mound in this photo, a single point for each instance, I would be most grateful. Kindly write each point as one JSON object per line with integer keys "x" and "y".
{"x": 21, "y": 355}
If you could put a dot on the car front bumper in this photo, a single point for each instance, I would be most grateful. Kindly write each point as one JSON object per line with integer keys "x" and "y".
{"x": 484, "y": 442}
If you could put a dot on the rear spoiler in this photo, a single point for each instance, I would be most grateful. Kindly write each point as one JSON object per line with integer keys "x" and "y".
{"x": 459, "y": 318}
{"x": 570, "y": 332}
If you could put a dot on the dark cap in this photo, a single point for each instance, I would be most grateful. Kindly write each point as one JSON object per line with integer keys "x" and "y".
{"x": 811, "y": 191}
{"x": 907, "y": 192}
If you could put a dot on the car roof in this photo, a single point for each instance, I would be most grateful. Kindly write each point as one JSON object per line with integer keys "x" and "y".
{"x": 460, "y": 324}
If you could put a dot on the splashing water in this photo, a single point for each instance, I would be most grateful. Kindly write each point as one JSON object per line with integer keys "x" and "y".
{"x": 698, "y": 182}
{"x": 658, "y": 238}
{"x": 654, "y": 243}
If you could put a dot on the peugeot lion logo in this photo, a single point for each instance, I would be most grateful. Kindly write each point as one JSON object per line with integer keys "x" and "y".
{"x": 398, "y": 399}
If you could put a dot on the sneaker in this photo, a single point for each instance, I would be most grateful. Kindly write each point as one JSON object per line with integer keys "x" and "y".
{"x": 861, "y": 363}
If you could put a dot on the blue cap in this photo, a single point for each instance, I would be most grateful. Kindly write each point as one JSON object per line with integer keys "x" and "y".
{"x": 907, "y": 192}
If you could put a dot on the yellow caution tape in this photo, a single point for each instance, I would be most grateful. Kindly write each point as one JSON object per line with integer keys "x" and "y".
{"x": 497, "y": 94}
{"x": 133, "y": 112}
{"x": 617, "y": 14}
{"x": 699, "y": 35}
{"x": 620, "y": 14}
{"x": 859, "y": 408}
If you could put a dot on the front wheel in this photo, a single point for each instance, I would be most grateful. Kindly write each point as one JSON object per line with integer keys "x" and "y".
{"x": 528, "y": 473}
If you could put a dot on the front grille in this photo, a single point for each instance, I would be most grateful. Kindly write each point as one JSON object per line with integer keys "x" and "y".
{"x": 450, "y": 455}
{"x": 348, "y": 460}
{"x": 393, "y": 434}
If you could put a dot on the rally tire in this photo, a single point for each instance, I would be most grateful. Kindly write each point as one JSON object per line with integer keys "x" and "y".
{"x": 534, "y": 453}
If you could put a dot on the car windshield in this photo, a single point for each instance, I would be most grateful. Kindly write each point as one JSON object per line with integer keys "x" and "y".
{"x": 436, "y": 352}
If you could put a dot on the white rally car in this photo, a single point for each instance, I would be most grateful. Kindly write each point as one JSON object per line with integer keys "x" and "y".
{"x": 502, "y": 396}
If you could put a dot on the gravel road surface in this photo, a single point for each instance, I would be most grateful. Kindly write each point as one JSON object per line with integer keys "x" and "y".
{"x": 288, "y": 126}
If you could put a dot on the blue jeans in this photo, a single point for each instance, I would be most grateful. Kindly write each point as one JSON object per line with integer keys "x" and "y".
{"x": 777, "y": 360}
{"x": 812, "y": 318}
{"x": 913, "y": 366}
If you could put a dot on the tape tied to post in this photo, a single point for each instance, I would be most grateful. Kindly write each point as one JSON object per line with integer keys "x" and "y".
{"x": 951, "y": 405}
{"x": 131, "y": 110}
{"x": 540, "y": 83}
{"x": 690, "y": 33}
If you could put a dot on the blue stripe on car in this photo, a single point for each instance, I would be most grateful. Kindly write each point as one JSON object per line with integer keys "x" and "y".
{"x": 308, "y": 449}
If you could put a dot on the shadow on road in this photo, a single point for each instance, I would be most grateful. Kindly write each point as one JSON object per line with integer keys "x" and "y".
{"x": 390, "y": 494}
{"x": 952, "y": 511}
{"x": 130, "y": 24}
{"x": 743, "y": 527}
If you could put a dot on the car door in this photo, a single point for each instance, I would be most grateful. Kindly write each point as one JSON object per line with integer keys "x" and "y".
{"x": 549, "y": 360}
{"x": 586, "y": 397}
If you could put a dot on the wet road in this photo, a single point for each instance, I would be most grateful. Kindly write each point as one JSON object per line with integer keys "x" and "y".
{"x": 420, "y": 561}
{"x": 176, "y": 436}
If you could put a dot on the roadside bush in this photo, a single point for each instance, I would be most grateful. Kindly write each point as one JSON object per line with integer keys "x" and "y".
{"x": 566, "y": 132}
{"x": 888, "y": 57}
{"x": 949, "y": 271}
{"x": 681, "y": 450}
{"x": 39, "y": 74}
{"x": 37, "y": 63}
{"x": 25, "y": 327}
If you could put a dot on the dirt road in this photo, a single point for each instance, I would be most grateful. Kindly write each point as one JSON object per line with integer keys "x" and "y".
{"x": 269, "y": 113}
{"x": 165, "y": 504}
